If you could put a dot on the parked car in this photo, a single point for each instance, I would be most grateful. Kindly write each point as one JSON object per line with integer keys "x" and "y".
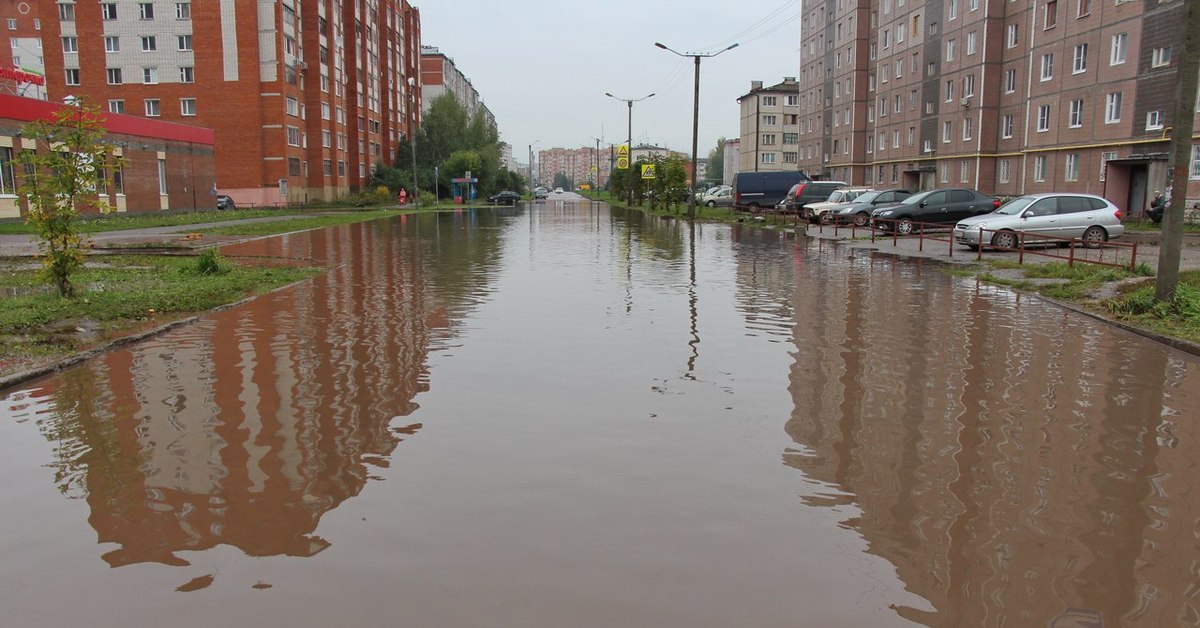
{"x": 944, "y": 206}
{"x": 507, "y": 197}
{"x": 859, "y": 211}
{"x": 225, "y": 202}
{"x": 761, "y": 190}
{"x": 805, "y": 193}
{"x": 1051, "y": 215}
{"x": 820, "y": 212}
{"x": 722, "y": 197}
{"x": 700, "y": 194}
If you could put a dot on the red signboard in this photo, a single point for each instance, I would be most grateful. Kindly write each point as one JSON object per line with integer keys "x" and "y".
{"x": 21, "y": 76}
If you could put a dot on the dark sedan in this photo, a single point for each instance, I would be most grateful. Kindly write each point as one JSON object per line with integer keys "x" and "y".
{"x": 944, "y": 207}
{"x": 859, "y": 211}
{"x": 506, "y": 197}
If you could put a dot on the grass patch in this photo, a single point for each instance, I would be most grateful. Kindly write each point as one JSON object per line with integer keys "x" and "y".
{"x": 300, "y": 224}
{"x": 1179, "y": 317}
{"x": 122, "y": 222}
{"x": 119, "y": 293}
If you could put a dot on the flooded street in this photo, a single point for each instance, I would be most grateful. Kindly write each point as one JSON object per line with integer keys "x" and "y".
{"x": 571, "y": 417}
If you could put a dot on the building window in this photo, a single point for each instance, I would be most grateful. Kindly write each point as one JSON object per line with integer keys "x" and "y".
{"x": 896, "y": 138}
{"x": 72, "y": 76}
{"x": 162, "y": 175}
{"x": 1154, "y": 120}
{"x": 950, "y": 47}
{"x": 149, "y": 76}
{"x": 1160, "y": 57}
{"x": 294, "y": 166}
{"x": 185, "y": 43}
{"x": 291, "y": 106}
{"x": 108, "y": 11}
{"x": 327, "y": 167}
{"x": 1010, "y": 81}
{"x": 146, "y": 10}
{"x": 927, "y": 146}
{"x": 149, "y": 43}
{"x": 116, "y": 106}
{"x": 66, "y": 12}
{"x": 791, "y": 138}
{"x": 947, "y": 131}
{"x": 1051, "y": 17}
{"x": 971, "y": 43}
{"x": 1071, "y": 169}
{"x": 944, "y": 171}
{"x": 1112, "y": 108}
{"x": 790, "y": 158}
{"x": 183, "y": 10}
{"x": 1117, "y": 53}
{"x": 1048, "y": 66}
{"x": 326, "y": 139}
{"x": 1043, "y": 118}
{"x": 112, "y": 44}
{"x": 768, "y": 101}
{"x": 114, "y": 76}
{"x": 791, "y": 101}
{"x": 152, "y": 108}
{"x": 870, "y": 145}
{"x": 341, "y": 168}
{"x": 768, "y": 139}
{"x": 950, "y": 91}
{"x": 70, "y": 44}
{"x": 1079, "y": 65}
{"x": 1194, "y": 172}
{"x": 1002, "y": 175}
{"x": 1084, "y": 8}
{"x": 1039, "y": 168}
{"x": 1011, "y": 40}
{"x": 1076, "y": 119}
{"x": 964, "y": 171}
{"x": 770, "y": 120}
{"x": 12, "y": 23}
{"x": 768, "y": 158}
{"x": 187, "y": 106}
{"x": 187, "y": 74}
{"x": 968, "y": 86}
{"x": 1104, "y": 159}
{"x": 953, "y": 10}
{"x": 968, "y": 128}
{"x": 1006, "y": 126}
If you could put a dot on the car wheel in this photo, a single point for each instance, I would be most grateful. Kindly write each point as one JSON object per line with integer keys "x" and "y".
{"x": 825, "y": 218}
{"x": 861, "y": 219}
{"x": 1094, "y": 237}
{"x": 711, "y": 203}
{"x": 905, "y": 226}
{"x": 1004, "y": 240}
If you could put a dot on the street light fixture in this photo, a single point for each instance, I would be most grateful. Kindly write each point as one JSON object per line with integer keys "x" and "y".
{"x": 629, "y": 102}
{"x": 695, "y": 116}
{"x": 412, "y": 139}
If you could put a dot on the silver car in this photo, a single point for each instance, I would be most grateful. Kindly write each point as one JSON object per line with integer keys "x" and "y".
{"x": 719, "y": 197}
{"x": 1041, "y": 216}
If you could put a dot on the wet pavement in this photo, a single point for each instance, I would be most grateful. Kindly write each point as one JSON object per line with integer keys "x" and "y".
{"x": 571, "y": 417}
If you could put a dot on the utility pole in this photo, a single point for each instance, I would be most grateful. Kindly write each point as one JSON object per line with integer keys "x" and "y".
{"x": 1186, "y": 77}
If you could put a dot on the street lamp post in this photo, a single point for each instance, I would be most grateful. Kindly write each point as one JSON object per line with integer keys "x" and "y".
{"x": 629, "y": 102}
{"x": 695, "y": 116}
{"x": 412, "y": 139}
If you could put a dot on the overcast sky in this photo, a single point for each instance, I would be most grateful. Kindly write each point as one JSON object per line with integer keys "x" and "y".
{"x": 543, "y": 66}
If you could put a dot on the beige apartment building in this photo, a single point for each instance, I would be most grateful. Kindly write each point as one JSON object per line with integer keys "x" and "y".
{"x": 769, "y": 127}
{"x": 1005, "y": 96}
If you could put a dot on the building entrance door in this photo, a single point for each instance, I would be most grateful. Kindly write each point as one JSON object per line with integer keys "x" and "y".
{"x": 1138, "y": 180}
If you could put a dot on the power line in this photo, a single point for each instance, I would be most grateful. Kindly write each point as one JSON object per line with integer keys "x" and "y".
{"x": 745, "y": 31}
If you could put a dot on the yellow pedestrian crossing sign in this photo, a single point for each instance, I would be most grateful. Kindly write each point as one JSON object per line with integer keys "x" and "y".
{"x": 622, "y": 163}
{"x": 623, "y": 150}
{"x": 648, "y": 171}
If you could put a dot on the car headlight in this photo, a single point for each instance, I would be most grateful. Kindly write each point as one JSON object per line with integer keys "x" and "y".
{"x": 885, "y": 212}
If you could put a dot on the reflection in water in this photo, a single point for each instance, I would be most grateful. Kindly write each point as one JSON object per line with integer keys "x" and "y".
{"x": 1011, "y": 469}
{"x": 604, "y": 397}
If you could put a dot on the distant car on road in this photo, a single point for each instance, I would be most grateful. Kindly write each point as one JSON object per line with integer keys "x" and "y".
{"x": 540, "y": 193}
{"x": 1050, "y": 215}
{"x": 558, "y": 190}
{"x": 224, "y": 202}
{"x": 507, "y": 197}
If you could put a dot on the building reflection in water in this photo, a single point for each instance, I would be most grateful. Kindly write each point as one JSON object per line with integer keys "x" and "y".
{"x": 244, "y": 429}
{"x": 1017, "y": 463}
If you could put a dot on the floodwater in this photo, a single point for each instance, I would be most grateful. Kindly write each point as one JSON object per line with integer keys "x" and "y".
{"x": 571, "y": 417}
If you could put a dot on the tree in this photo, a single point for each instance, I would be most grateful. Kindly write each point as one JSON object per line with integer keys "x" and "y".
{"x": 64, "y": 172}
{"x": 461, "y": 162}
{"x": 716, "y": 162}
{"x": 561, "y": 180}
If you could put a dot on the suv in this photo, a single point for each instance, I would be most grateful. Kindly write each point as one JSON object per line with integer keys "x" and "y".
{"x": 808, "y": 192}
{"x": 225, "y": 202}
{"x": 507, "y": 197}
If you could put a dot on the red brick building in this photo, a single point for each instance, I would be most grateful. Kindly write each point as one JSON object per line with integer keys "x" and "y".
{"x": 167, "y": 165}
{"x": 304, "y": 96}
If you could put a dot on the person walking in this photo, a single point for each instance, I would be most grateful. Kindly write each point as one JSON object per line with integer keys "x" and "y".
{"x": 1157, "y": 205}
{"x": 403, "y": 196}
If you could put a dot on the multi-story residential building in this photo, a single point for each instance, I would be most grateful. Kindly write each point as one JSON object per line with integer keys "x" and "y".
{"x": 732, "y": 155}
{"x": 769, "y": 127}
{"x": 304, "y": 96}
{"x": 1006, "y": 97}
{"x": 21, "y": 64}
{"x": 440, "y": 75}
{"x": 578, "y": 164}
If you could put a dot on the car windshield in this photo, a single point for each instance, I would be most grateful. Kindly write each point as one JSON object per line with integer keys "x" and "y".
{"x": 1016, "y": 206}
{"x": 866, "y": 197}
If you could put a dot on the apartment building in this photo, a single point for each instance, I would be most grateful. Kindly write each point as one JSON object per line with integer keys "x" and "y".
{"x": 304, "y": 96}
{"x": 730, "y": 164}
{"x": 769, "y": 127}
{"x": 1008, "y": 97}
{"x": 578, "y": 164}
{"x": 21, "y": 65}
{"x": 440, "y": 75}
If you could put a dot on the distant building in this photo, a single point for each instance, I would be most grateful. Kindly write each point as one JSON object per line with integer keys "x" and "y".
{"x": 578, "y": 164}
{"x": 167, "y": 165}
{"x": 440, "y": 75}
{"x": 732, "y": 155}
{"x": 22, "y": 72}
{"x": 769, "y": 127}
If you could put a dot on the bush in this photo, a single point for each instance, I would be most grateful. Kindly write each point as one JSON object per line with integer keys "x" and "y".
{"x": 211, "y": 262}
{"x": 428, "y": 199}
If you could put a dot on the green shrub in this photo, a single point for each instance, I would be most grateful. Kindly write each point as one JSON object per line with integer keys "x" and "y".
{"x": 211, "y": 262}
{"x": 428, "y": 199}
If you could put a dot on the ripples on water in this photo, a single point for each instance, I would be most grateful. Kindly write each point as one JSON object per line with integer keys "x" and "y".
{"x": 593, "y": 408}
